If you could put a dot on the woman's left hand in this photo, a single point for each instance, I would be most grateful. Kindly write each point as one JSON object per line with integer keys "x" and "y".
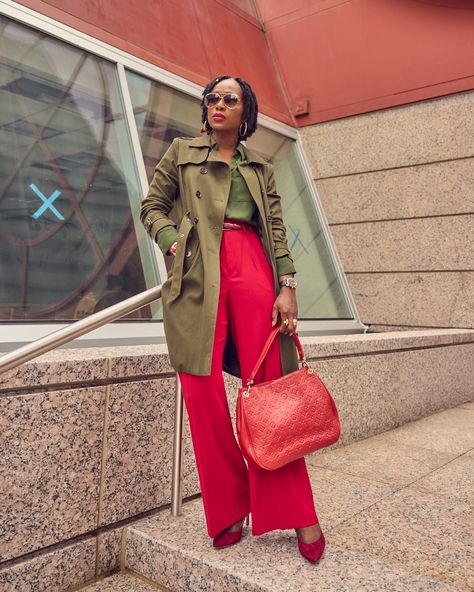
{"x": 286, "y": 305}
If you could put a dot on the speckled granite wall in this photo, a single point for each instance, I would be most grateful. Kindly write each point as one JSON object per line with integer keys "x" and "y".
{"x": 74, "y": 460}
{"x": 50, "y": 445}
{"x": 86, "y": 441}
{"x": 397, "y": 189}
{"x": 86, "y": 438}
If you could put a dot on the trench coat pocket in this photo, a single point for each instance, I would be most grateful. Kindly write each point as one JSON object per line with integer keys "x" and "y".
{"x": 180, "y": 264}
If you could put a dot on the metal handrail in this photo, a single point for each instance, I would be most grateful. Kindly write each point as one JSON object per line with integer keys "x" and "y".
{"x": 76, "y": 329}
{"x": 49, "y": 342}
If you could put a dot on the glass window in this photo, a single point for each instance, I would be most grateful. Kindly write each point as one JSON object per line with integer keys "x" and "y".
{"x": 162, "y": 114}
{"x": 69, "y": 244}
{"x": 320, "y": 293}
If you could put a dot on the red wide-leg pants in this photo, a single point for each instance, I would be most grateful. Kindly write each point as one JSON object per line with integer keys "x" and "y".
{"x": 279, "y": 499}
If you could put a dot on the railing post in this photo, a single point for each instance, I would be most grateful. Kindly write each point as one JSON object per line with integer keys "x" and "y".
{"x": 177, "y": 477}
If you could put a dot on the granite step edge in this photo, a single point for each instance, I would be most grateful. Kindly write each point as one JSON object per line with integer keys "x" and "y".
{"x": 181, "y": 569}
{"x": 122, "y": 581}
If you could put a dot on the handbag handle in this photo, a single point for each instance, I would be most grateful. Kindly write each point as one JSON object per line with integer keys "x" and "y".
{"x": 274, "y": 332}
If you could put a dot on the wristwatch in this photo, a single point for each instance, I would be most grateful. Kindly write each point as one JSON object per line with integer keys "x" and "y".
{"x": 290, "y": 282}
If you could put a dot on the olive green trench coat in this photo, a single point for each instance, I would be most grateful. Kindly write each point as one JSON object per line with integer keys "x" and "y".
{"x": 191, "y": 178}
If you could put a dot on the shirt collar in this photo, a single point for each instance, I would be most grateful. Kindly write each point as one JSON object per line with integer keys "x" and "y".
{"x": 239, "y": 149}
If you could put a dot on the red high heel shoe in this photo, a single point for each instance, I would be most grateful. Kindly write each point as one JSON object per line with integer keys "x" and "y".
{"x": 227, "y": 538}
{"x": 312, "y": 551}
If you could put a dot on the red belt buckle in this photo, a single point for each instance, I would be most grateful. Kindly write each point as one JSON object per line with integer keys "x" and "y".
{"x": 232, "y": 226}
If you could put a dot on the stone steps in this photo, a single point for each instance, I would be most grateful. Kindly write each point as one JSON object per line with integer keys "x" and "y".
{"x": 395, "y": 509}
{"x": 78, "y": 487}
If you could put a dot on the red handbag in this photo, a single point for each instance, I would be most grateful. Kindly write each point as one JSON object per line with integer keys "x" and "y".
{"x": 281, "y": 420}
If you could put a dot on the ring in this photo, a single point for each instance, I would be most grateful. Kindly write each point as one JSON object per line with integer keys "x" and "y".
{"x": 286, "y": 322}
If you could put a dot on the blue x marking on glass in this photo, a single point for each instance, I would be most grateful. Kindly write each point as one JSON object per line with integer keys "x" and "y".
{"x": 297, "y": 239}
{"x": 47, "y": 202}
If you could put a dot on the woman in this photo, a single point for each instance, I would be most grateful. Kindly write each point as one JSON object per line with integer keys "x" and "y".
{"x": 231, "y": 281}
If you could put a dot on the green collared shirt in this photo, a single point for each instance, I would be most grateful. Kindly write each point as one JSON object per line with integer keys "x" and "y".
{"x": 240, "y": 206}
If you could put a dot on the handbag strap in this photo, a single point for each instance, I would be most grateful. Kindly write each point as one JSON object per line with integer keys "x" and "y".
{"x": 271, "y": 338}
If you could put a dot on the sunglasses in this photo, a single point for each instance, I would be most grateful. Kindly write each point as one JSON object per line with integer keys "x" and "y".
{"x": 231, "y": 100}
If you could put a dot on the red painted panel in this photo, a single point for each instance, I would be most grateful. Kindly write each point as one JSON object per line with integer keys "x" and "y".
{"x": 193, "y": 38}
{"x": 346, "y": 56}
{"x": 355, "y": 56}
{"x": 235, "y": 47}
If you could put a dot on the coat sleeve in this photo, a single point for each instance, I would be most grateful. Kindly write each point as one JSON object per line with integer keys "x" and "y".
{"x": 159, "y": 201}
{"x": 282, "y": 252}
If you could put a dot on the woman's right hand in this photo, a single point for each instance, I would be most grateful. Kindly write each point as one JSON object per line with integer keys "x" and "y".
{"x": 172, "y": 249}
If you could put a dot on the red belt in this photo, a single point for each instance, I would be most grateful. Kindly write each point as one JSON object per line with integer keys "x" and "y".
{"x": 240, "y": 225}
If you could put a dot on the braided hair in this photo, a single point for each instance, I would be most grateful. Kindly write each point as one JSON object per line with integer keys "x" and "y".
{"x": 250, "y": 105}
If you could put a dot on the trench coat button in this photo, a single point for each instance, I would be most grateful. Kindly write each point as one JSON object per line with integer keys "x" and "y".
{"x": 188, "y": 253}
{"x": 269, "y": 218}
{"x": 203, "y": 170}
{"x": 198, "y": 194}
{"x": 195, "y": 220}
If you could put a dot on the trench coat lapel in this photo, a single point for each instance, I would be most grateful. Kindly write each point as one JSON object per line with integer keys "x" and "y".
{"x": 250, "y": 177}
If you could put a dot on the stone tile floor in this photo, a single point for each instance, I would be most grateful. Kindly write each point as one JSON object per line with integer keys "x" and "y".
{"x": 396, "y": 509}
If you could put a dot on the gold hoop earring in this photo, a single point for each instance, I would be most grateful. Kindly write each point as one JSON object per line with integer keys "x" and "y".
{"x": 243, "y": 133}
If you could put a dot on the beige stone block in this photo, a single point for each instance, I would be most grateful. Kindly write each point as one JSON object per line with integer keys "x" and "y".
{"x": 429, "y": 299}
{"x": 138, "y": 460}
{"x": 50, "y": 456}
{"x": 374, "y": 459}
{"x": 432, "y": 189}
{"x": 55, "y": 571}
{"x": 339, "y": 495}
{"x": 375, "y": 393}
{"x": 418, "y": 532}
{"x": 423, "y": 132}
{"x": 440, "y": 432}
{"x": 374, "y": 327}
{"x": 426, "y": 244}
{"x": 324, "y": 346}
{"x": 454, "y": 481}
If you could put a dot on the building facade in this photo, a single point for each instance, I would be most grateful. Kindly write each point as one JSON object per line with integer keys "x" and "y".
{"x": 367, "y": 115}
